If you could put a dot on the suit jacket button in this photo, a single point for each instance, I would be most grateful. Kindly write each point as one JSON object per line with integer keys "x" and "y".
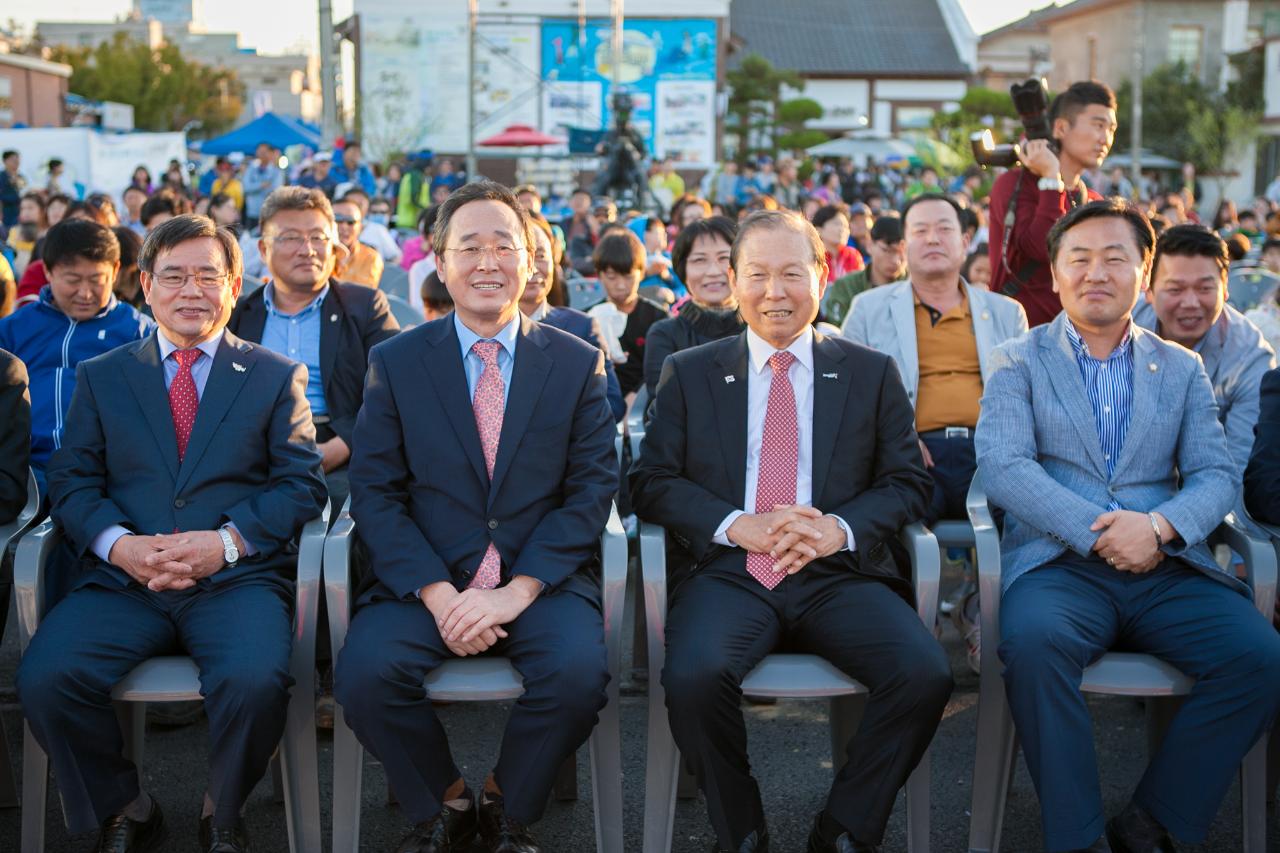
{"x": 179, "y": 503}
{"x": 493, "y": 524}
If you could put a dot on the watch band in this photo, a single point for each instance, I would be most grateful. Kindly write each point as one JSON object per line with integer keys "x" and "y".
{"x": 1155, "y": 526}
{"x": 1051, "y": 185}
{"x": 230, "y": 553}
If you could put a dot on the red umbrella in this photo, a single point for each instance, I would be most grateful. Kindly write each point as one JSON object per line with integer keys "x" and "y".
{"x": 518, "y": 136}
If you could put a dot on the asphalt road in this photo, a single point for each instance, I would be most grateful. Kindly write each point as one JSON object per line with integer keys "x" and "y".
{"x": 789, "y": 750}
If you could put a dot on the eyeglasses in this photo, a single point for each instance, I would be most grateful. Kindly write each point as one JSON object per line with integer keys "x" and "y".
{"x": 203, "y": 280}
{"x": 473, "y": 254}
{"x": 345, "y": 220}
{"x": 294, "y": 242}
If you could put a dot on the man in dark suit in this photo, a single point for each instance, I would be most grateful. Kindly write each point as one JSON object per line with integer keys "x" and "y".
{"x": 15, "y": 436}
{"x": 187, "y": 469}
{"x": 780, "y": 462}
{"x": 481, "y": 479}
{"x": 307, "y": 315}
{"x": 1262, "y": 475}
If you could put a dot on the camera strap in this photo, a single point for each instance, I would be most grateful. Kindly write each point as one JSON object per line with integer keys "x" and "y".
{"x": 1015, "y": 281}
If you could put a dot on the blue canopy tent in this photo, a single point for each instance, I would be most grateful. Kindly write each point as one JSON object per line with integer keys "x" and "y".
{"x": 280, "y": 131}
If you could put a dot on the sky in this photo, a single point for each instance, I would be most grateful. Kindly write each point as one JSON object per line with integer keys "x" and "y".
{"x": 283, "y": 25}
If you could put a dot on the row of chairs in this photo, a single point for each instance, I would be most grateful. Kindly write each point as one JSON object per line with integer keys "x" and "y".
{"x": 324, "y": 564}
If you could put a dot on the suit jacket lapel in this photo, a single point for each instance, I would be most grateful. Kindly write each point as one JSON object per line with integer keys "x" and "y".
{"x": 528, "y": 376}
{"x": 253, "y": 322}
{"x": 146, "y": 378}
{"x": 983, "y": 326}
{"x": 727, "y": 379}
{"x": 1146, "y": 393}
{"x": 220, "y": 391}
{"x": 902, "y": 308}
{"x": 448, "y": 376}
{"x": 831, "y": 383}
{"x": 1064, "y": 373}
{"x": 331, "y": 314}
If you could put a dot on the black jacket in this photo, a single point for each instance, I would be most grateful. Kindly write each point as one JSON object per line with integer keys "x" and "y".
{"x": 15, "y": 436}
{"x": 353, "y": 318}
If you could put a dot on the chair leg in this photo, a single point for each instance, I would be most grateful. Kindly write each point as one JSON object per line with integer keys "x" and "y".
{"x": 918, "y": 807}
{"x": 640, "y": 634}
{"x": 687, "y": 784}
{"x": 606, "y": 775}
{"x": 1253, "y": 798}
{"x": 8, "y": 785}
{"x": 566, "y": 785}
{"x": 348, "y": 765}
{"x": 993, "y": 765}
{"x": 295, "y": 769}
{"x": 1273, "y": 767}
{"x": 662, "y": 771}
{"x": 35, "y": 789}
{"x": 133, "y": 727}
{"x": 846, "y": 716}
{"x": 277, "y": 780}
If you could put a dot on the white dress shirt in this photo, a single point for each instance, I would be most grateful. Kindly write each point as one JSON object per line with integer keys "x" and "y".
{"x": 759, "y": 380}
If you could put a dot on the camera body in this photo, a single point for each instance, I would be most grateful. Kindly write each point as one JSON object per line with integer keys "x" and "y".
{"x": 1031, "y": 101}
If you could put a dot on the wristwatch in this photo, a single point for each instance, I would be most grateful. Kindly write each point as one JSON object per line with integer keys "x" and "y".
{"x": 1051, "y": 185}
{"x": 230, "y": 552}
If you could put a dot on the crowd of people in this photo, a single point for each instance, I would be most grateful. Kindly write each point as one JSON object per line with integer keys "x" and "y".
{"x": 816, "y": 364}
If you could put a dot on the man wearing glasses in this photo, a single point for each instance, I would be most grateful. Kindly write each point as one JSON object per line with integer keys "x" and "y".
{"x": 307, "y": 315}
{"x": 363, "y": 264}
{"x": 481, "y": 480}
{"x": 188, "y": 467}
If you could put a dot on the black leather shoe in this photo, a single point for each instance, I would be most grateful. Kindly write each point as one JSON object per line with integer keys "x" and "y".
{"x": 450, "y": 831}
{"x": 217, "y": 839}
{"x": 844, "y": 842}
{"x": 120, "y": 834}
{"x": 1135, "y": 831}
{"x": 501, "y": 833}
{"x": 756, "y": 842}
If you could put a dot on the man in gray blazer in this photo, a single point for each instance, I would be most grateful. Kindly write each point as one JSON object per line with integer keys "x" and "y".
{"x": 940, "y": 331}
{"x": 1101, "y": 442}
{"x": 1187, "y": 304}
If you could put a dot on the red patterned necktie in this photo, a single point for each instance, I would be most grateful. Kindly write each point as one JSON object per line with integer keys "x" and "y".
{"x": 183, "y": 400}
{"x": 488, "y": 403}
{"x": 779, "y": 455}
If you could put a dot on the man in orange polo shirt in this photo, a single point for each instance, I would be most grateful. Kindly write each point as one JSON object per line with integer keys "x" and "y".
{"x": 363, "y": 264}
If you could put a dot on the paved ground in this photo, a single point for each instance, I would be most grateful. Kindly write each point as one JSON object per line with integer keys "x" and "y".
{"x": 790, "y": 752}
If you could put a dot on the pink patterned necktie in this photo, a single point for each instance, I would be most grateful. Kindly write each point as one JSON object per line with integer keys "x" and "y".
{"x": 488, "y": 404}
{"x": 183, "y": 400}
{"x": 779, "y": 455}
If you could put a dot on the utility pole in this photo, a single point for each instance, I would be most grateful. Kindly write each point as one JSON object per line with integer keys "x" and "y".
{"x": 1139, "y": 71}
{"x": 473, "y": 15}
{"x": 329, "y": 128}
{"x": 616, "y": 12}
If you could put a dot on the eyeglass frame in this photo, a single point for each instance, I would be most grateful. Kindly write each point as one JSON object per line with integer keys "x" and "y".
{"x": 222, "y": 280}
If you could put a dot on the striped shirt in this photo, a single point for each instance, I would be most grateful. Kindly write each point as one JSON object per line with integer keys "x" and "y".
{"x": 1108, "y": 383}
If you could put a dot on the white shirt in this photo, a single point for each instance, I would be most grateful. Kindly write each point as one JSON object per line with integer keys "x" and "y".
{"x": 417, "y": 275}
{"x": 375, "y": 234}
{"x": 759, "y": 381}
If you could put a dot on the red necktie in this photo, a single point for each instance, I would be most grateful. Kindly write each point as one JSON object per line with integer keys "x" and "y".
{"x": 488, "y": 404}
{"x": 183, "y": 400}
{"x": 779, "y": 454}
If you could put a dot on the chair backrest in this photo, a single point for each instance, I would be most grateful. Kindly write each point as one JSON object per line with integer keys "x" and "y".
{"x": 395, "y": 282}
{"x": 406, "y": 315}
{"x": 15, "y": 528}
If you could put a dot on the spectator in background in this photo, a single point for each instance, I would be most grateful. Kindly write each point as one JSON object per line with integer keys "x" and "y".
{"x": 55, "y": 207}
{"x": 262, "y": 176}
{"x": 658, "y": 282}
{"x": 15, "y": 436}
{"x": 26, "y": 233}
{"x": 888, "y": 264}
{"x": 134, "y": 198}
{"x": 380, "y": 214}
{"x": 352, "y": 169}
{"x": 577, "y": 224}
{"x": 158, "y": 209}
{"x": 175, "y": 180}
{"x": 414, "y": 193}
{"x": 34, "y": 277}
{"x": 1270, "y": 255}
{"x": 128, "y": 284}
{"x": 832, "y": 223}
{"x": 12, "y": 185}
{"x": 788, "y": 190}
{"x": 701, "y": 260}
{"x": 223, "y": 211}
{"x": 75, "y": 317}
{"x": 106, "y": 208}
{"x": 687, "y": 210}
{"x": 725, "y": 187}
{"x": 977, "y": 267}
{"x": 321, "y": 174}
{"x": 828, "y": 192}
{"x": 446, "y": 178}
{"x": 1225, "y": 218}
{"x": 8, "y": 288}
{"x": 666, "y": 184}
{"x": 359, "y": 264}
{"x": 860, "y": 222}
{"x": 227, "y": 183}
{"x": 625, "y": 317}
{"x": 435, "y": 298}
{"x": 373, "y": 234}
{"x": 582, "y": 247}
{"x": 1248, "y": 225}
{"x": 418, "y": 246}
{"x": 142, "y": 180}
{"x": 427, "y": 264}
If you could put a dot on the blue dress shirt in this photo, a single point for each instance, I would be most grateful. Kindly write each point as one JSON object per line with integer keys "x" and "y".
{"x": 506, "y": 336}
{"x": 1108, "y": 384}
{"x": 297, "y": 337}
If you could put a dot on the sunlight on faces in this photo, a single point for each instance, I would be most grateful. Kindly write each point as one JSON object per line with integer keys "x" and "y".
{"x": 620, "y": 287}
{"x": 935, "y": 243}
{"x": 1099, "y": 271}
{"x": 299, "y": 248}
{"x": 348, "y": 231}
{"x": 81, "y": 288}
{"x": 1088, "y": 139}
{"x": 707, "y": 272}
{"x": 835, "y": 232}
{"x": 191, "y": 314}
{"x": 539, "y": 283}
{"x": 485, "y": 289}
{"x": 1188, "y": 293}
{"x": 980, "y": 271}
{"x": 889, "y": 259}
{"x": 778, "y": 283}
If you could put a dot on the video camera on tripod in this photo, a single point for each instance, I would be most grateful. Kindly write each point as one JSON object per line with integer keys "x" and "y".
{"x": 1031, "y": 101}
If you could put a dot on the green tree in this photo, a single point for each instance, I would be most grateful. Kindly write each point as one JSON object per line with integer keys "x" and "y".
{"x": 980, "y": 109}
{"x": 165, "y": 89}
{"x": 754, "y": 103}
{"x": 792, "y": 117}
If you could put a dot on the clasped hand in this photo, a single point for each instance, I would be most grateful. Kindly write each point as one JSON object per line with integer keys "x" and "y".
{"x": 471, "y": 621}
{"x": 1127, "y": 542}
{"x": 169, "y": 560}
{"x": 793, "y": 535}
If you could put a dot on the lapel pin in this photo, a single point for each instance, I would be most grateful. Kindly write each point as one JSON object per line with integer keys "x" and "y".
{"x": 333, "y": 318}
{"x": 728, "y": 379}
{"x": 238, "y": 367}
{"x": 831, "y": 376}
{"x": 1152, "y": 367}
{"x": 986, "y": 315}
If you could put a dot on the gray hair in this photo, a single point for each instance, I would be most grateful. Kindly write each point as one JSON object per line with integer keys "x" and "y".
{"x": 295, "y": 198}
{"x": 189, "y": 226}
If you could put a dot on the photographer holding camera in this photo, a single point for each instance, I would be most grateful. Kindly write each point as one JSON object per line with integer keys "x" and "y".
{"x": 1027, "y": 200}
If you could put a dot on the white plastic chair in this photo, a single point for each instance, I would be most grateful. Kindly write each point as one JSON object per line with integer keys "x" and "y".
{"x": 10, "y": 533}
{"x": 1115, "y": 673}
{"x": 484, "y": 679}
{"x": 782, "y": 676}
{"x": 176, "y": 679}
